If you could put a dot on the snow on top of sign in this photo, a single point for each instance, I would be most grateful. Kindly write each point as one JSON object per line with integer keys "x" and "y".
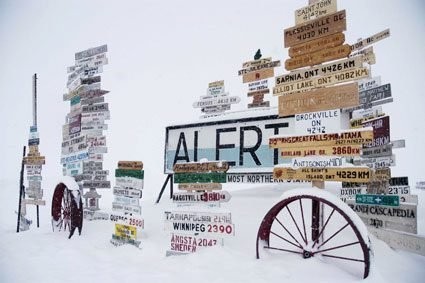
{"x": 335, "y": 200}
{"x": 69, "y": 182}
{"x": 246, "y": 113}
{"x": 339, "y": 132}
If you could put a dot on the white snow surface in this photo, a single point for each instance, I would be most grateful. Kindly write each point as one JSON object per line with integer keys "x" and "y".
{"x": 40, "y": 255}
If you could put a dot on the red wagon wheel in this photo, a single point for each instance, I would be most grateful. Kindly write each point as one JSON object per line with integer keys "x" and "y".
{"x": 67, "y": 208}
{"x": 61, "y": 208}
{"x": 310, "y": 224}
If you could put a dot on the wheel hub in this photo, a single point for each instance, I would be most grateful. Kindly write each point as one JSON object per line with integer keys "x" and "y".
{"x": 307, "y": 254}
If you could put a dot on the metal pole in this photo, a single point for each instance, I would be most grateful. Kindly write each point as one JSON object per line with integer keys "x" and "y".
{"x": 21, "y": 189}
{"x": 171, "y": 185}
{"x": 34, "y": 99}
{"x": 163, "y": 188}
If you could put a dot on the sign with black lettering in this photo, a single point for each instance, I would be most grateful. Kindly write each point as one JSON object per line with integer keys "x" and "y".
{"x": 318, "y": 122}
{"x": 314, "y": 29}
{"x": 243, "y": 143}
{"x": 401, "y": 218}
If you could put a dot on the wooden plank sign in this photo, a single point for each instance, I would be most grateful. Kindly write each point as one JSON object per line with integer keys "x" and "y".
{"x": 200, "y": 186}
{"x": 314, "y": 29}
{"x": 336, "y": 78}
{"x": 258, "y": 75}
{"x": 315, "y": 10}
{"x": 326, "y": 42}
{"x": 259, "y": 67}
{"x": 347, "y": 137}
{"x": 322, "y": 70}
{"x": 370, "y": 40}
{"x": 378, "y": 151}
{"x": 256, "y": 62}
{"x": 91, "y": 52}
{"x": 339, "y": 174}
{"x": 34, "y": 160}
{"x": 375, "y": 94}
{"x": 193, "y": 167}
{"x": 337, "y": 150}
{"x": 34, "y": 201}
{"x": 317, "y": 57}
{"x": 319, "y": 99}
{"x": 130, "y": 165}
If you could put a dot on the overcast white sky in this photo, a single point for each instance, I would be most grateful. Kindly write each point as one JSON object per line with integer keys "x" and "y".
{"x": 162, "y": 54}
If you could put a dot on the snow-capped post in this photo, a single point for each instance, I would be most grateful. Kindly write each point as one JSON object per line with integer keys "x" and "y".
{"x": 84, "y": 142}
{"x": 126, "y": 215}
{"x": 33, "y": 165}
{"x": 198, "y": 221}
{"x": 217, "y": 101}
{"x": 256, "y": 74}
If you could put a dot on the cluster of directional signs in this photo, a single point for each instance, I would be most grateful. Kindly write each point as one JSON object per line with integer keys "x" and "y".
{"x": 84, "y": 142}
{"x": 126, "y": 208}
{"x": 325, "y": 76}
{"x": 33, "y": 165}
{"x": 198, "y": 221}
{"x": 217, "y": 101}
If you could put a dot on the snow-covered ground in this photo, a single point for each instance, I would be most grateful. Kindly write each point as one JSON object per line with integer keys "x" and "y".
{"x": 40, "y": 255}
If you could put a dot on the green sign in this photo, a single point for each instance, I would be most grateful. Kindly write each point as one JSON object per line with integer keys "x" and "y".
{"x": 139, "y": 174}
{"x": 390, "y": 200}
{"x": 215, "y": 177}
{"x": 75, "y": 100}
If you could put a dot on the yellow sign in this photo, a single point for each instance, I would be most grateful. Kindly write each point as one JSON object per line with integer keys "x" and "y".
{"x": 344, "y": 174}
{"x": 125, "y": 231}
{"x": 216, "y": 84}
{"x": 353, "y": 137}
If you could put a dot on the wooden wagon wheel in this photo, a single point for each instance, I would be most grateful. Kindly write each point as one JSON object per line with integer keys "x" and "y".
{"x": 67, "y": 211}
{"x": 293, "y": 226}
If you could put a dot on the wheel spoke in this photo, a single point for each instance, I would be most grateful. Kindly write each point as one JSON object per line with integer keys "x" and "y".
{"x": 284, "y": 250}
{"x": 344, "y": 258}
{"x": 271, "y": 232}
{"x": 323, "y": 228}
{"x": 290, "y": 234}
{"x": 337, "y": 247}
{"x": 296, "y": 225}
{"x": 336, "y": 233}
{"x": 302, "y": 216}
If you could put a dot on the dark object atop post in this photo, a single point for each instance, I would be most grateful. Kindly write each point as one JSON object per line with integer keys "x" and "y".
{"x": 257, "y": 55}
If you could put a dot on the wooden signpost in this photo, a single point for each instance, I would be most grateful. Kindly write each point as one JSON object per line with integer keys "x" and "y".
{"x": 33, "y": 162}
{"x": 126, "y": 207}
{"x": 256, "y": 74}
{"x": 217, "y": 101}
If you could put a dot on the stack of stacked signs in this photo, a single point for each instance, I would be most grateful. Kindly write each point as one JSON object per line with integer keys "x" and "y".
{"x": 310, "y": 95}
{"x": 198, "y": 221}
{"x": 33, "y": 165}
{"x": 84, "y": 143}
{"x": 256, "y": 73}
{"x": 216, "y": 102}
{"x": 126, "y": 208}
